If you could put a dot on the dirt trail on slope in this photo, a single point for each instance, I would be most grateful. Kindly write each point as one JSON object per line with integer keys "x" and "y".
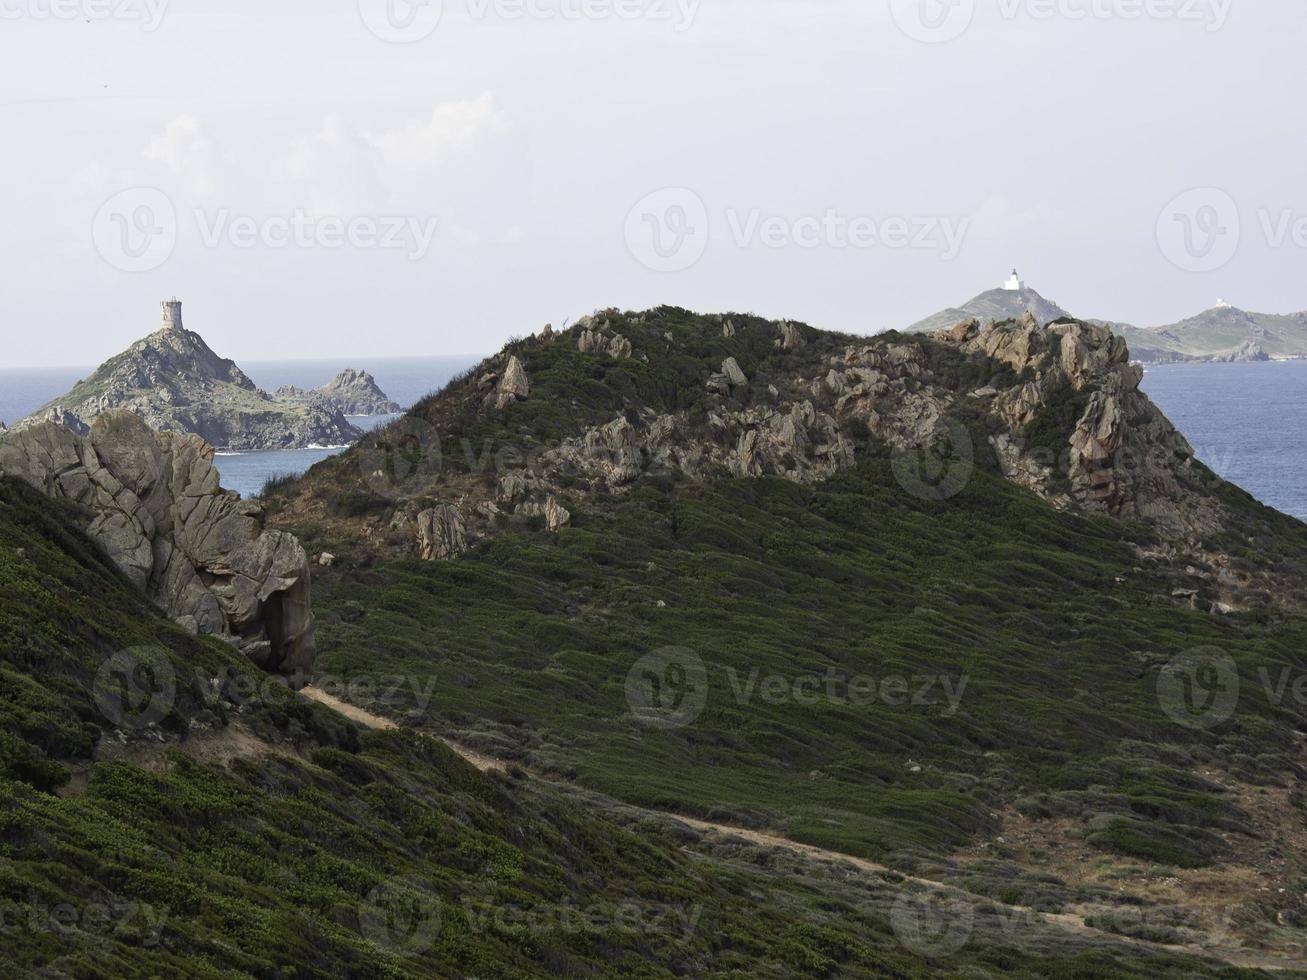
{"x": 1067, "y": 921}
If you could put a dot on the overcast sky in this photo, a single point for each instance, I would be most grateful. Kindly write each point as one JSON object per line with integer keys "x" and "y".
{"x": 356, "y": 177}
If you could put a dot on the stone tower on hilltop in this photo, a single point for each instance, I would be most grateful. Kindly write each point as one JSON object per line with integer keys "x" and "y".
{"x": 172, "y": 314}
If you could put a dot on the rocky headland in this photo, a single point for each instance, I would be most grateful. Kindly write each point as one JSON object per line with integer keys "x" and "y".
{"x": 175, "y": 382}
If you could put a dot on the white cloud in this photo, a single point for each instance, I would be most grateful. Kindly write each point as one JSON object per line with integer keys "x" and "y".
{"x": 188, "y": 153}
{"x": 332, "y": 171}
{"x": 454, "y": 131}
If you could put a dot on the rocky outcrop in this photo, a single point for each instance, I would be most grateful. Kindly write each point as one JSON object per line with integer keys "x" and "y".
{"x": 1121, "y": 456}
{"x": 440, "y": 534}
{"x": 352, "y": 392}
{"x": 1248, "y": 351}
{"x": 790, "y": 338}
{"x": 154, "y": 504}
{"x": 595, "y": 338}
{"x": 513, "y": 386}
{"x": 174, "y": 382}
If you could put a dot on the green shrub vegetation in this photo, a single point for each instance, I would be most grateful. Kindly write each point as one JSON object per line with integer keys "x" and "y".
{"x": 163, "y": 864}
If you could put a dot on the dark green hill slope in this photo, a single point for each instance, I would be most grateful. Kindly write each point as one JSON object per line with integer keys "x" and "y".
{"x": 844, "y": 657}
{"x": 190, "y": 818}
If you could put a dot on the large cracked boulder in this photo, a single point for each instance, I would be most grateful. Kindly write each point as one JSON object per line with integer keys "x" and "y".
{"x": 202, "y": 554}
{"x": 440, "y": 534}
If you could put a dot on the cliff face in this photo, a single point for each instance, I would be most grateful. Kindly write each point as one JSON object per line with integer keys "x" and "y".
{"x": 201, "y": 553}
{"x": 175, "y": 382}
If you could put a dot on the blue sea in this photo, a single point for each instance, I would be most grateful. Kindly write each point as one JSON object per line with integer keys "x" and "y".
{"x": 406, "y": 380}
{"x": 1245, "y": 421}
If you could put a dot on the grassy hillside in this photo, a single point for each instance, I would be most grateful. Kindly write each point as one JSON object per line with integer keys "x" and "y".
{"x": 1037, "y": 639}
{"x": 131, "y": 846}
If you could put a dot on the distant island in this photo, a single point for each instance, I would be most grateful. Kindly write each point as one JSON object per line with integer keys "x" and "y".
{"x": 1222, "y": 334}
{"x": 175, "y": 382}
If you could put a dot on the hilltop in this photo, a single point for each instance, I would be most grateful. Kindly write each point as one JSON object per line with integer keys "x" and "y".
{"x": 686, "y": 586}
{"x": 1221, "y": 334}
{"x": 990, "y": 532}
{"x": 175, "y": 382}
{"x": 994, "y": 304}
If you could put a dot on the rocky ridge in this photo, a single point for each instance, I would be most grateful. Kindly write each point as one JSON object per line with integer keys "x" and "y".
{"x": 153, "y": 502}
{"x": 1056, "y": 409}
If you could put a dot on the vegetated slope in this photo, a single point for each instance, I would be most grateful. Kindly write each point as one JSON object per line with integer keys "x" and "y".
{"x": 1012, "y": 658}
{"x": 191, "y": 818}
{"x": 1223, "y": 332}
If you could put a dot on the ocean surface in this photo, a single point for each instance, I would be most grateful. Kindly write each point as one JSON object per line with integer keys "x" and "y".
{"x": 1246, "y": 421}
{"x": 405, "y": 380}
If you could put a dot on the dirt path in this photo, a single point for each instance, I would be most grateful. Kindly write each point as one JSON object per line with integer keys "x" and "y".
{"x": 1070, "y": 922}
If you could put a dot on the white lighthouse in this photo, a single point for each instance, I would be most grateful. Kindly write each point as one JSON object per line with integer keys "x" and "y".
{"x": 1015, "y": 284}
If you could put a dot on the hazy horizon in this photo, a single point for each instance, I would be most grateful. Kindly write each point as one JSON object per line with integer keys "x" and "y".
{"x": 430, "y": 180}
{"x": 364, "y": 358}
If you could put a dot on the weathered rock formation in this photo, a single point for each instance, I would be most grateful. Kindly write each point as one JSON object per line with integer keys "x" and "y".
{"x": 201, "y": 553}
{"x": 513, "y": 386}
{"x": 440, "y": 533}
{"x": 352, "y": 392}
{"x": 176, "y": 383}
